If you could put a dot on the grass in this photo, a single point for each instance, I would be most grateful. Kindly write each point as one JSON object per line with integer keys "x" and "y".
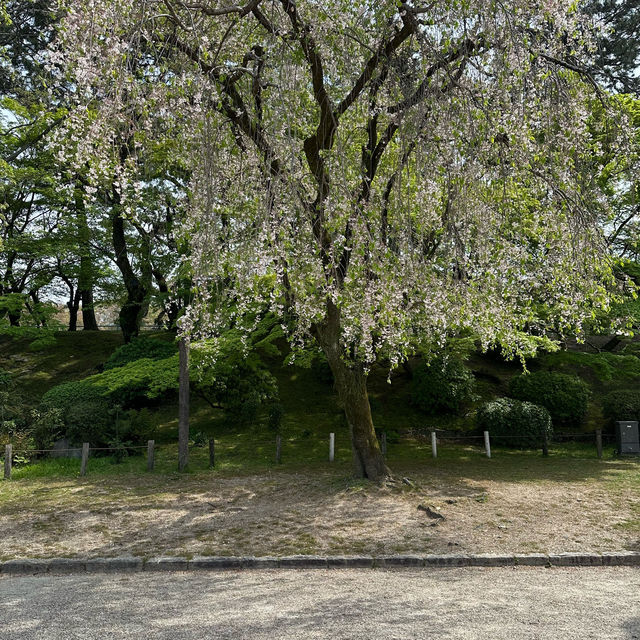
{"x": 515, "y": 501}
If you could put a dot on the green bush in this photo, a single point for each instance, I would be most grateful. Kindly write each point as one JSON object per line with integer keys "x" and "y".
{"x": 565, "y": 397}
{"x": 443, "y": 386}
{"x": 513, "y": 423}
{"x": 43, "y": 343}
{"x": 621, "y": 405}
{"x": 138, "y": 349}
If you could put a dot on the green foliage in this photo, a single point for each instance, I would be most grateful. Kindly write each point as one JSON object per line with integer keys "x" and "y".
{"x": 321, "y": 369}
{"x": 443, "y": 386}
{"x": 5, "y": 379}
{"x": 621, "y": 405}
{"x": 513, "y": 423}
{"x": 565, "y": 397}
{"x": 47, "y": 425}
{"x": 229, "y": 373}
{"x": 140, "y": 380}
{"x": 275, "y": 415}
{"x": 605, "y": 366}
{"x": 41, "y": 344}
{"x": 138, "y": 349}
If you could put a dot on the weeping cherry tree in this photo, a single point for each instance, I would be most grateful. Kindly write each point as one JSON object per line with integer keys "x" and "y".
{"x": 381, "y": 174}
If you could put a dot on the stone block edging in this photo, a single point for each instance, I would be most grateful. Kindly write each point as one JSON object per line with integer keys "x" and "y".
{"x": 221, "y": 563}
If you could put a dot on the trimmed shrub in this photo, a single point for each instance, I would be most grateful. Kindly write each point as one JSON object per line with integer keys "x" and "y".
{"x": 138, "y": 349}
{"x": 443, "y": 386}
{"x": 513, "y": 423}
{"x": 621, "y": 405}
{"x": 565, "y": 397}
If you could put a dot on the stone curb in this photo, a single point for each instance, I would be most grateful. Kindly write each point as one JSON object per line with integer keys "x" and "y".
{"x": 216, "y": 563}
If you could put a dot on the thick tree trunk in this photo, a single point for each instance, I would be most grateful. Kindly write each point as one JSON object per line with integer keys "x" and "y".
{"x": 351, "y": 384}
{"x": 73, "y": 305}
{"x": 86, "y": 274}
{"x": 183, "y": 406}
{"x": 137, "y": 302}
{"x": 89, "y": 322}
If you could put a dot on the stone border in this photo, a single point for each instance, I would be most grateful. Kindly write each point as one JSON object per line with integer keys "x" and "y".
{"x": 24, "y": 567}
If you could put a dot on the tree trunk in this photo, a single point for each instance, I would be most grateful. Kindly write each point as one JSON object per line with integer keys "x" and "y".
{"x": 137, "y": 302}
{"x": 183, "y": 406}
{"x": 89, "y": 321}
{"x": 86, "y": 273}
{"x": 73, "y": 306}
{"x": 351, "y": 384}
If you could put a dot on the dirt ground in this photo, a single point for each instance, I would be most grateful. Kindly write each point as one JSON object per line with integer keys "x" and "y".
{"x": 590, "y": 506}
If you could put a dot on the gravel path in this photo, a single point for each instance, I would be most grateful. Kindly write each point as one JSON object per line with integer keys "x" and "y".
{"x": 502, "y": 603}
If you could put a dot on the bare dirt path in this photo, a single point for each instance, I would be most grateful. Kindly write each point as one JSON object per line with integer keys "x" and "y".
{"x": 469, "y": 604}
{"x": 573, "y": 506}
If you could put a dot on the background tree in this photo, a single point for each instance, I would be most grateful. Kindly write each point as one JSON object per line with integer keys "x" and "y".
{"x": 382, "y": 175}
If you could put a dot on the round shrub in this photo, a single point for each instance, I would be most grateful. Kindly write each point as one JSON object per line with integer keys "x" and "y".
{"x": 564, "y": 396}
{"x": 443, "y": 386}
{"x": 513, "y": 423}
{"x": 621, "y": 405}
{"x": 140, "y": 348}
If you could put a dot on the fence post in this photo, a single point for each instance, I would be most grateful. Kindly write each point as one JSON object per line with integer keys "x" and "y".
{"x": 545, "y": 444}
{"x": 332, "y": 446}
{"x": 487, "y": 444}
{"x": 599, "y": 443}
{"x": 384, "y": 444}
{"x": 151, "y": 454}
{"x": 278, "y": 448}
{"x": 434, "y": 445}
{"x": 85, "y": 458}
{"x": 212, "y": 453}
{"x": 8, "y": 455}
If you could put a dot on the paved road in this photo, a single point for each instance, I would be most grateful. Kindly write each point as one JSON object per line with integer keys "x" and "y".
{"x": 501, "y": 603}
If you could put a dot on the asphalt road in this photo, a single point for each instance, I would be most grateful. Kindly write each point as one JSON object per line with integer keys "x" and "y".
{"x": 473, "y": 603}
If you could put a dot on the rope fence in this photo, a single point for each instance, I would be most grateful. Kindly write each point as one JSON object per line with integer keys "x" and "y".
{"x": 277, "y": 444}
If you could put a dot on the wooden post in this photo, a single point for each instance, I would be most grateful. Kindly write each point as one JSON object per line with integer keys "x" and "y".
{"x": 599, "y": 443}
{"x": 183, "y": 406}
{"x": 212, "y": 453}
{"x": 85, "y": 459}
{"x": 384, "y": 444}
{"x": 278, "y": 448}
{"x": 434, "y": 444}
{"x": 545, "y": 444}
{"x": 151, "y": 454}
{"x": 487, "y": 444}
{"x": 332, "y": 446}
{"x": 8, "y": 455}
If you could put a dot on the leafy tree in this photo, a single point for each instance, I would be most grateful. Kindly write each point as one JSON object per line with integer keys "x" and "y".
{"x": 618, "y": 53}
{"x": 382, "y": 175}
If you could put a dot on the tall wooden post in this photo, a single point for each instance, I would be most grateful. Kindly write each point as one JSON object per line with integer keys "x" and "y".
{"x": 8, "y": 455}
{"x": 183, "y": 406}
{"x": 212, "y": 453}
{"x": 599, "y": 443}
{"x": 487, "y": 444}
{"x": 151, "y": 454}
{"x": 85, "y": 459}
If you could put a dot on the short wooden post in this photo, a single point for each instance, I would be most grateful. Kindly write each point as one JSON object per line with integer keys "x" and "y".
{"x": 278, "y": 448}
{"x": 545, "y": 444}
{"x": 434, "y": 444}
{"x": 8, "y": 455}
{"x": 599, "y": 443}
{"x": 212, "y": 453}
{"x": 487, "y": 444}
{"x": 332, "y": 446}
{"x": 85, "y": 458}
{"x": 384, "y": 444}
{"x": 151, "y": 454}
